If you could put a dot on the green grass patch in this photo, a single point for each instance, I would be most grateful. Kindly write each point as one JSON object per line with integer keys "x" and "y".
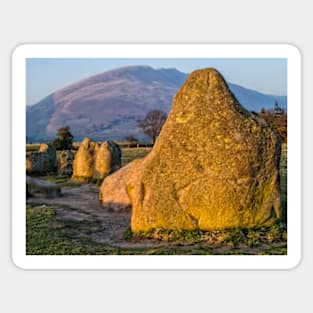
{"x": 48, "y": 235}
{"x": 31, "y": 147}
{"x": 130, "y": 154}
{"x": 280, "y": 249}
{"x": 251, "y": 237}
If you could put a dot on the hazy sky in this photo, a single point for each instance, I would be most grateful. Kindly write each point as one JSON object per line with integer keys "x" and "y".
{"x": 44, "y": 76}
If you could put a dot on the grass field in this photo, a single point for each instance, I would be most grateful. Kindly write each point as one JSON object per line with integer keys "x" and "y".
{"x": 30, "y": 147}
{"x": 49, "y": 234}
{"x": 130, "y": 154}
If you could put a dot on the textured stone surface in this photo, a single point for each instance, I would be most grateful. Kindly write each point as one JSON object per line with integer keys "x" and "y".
{"x": 107, "y": 159}
{"x": 113, "y": 189}
{"x": 214, "y": 165}
{"x": 39, "y": 188}
{"x": 43, "y": 161}
{"x": 83, "y": 163}
{"x": 95, "y": 161}
{"x": 65, "y": 162}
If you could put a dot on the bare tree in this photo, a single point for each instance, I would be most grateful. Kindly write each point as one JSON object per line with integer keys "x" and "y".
{"x": 152, "y": 123}
{"x": 131, "y": 138}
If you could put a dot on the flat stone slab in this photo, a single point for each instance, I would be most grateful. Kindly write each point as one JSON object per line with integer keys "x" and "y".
{"x": 40, "y": 188}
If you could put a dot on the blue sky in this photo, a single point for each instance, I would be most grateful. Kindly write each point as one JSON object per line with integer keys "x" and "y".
{"x": 44, "y": 76}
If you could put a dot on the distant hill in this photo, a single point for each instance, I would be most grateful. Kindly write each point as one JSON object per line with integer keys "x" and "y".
{"x": 107, "y": 105}
{"x": 254, "y": 101}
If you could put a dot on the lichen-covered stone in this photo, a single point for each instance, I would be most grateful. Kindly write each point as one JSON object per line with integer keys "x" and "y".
{"x": 39, "y": 188}
{"x": 95, "y": 161}
{"x": 113, "y": 189}
{"x": 214, "y": 165}
{"x": 107, "y": 160}
{"x": 65, "y": 162}
{"x": 43, "y": 161}
{"x": 83, "y": 164}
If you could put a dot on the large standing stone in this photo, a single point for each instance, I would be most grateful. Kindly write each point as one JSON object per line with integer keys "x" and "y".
{"x": 95, "y": 161}
{"x": 43, "y": 161}
{"x": 214, "y": 165}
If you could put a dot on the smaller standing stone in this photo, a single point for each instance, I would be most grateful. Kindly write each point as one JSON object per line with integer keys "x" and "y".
{"x": 113, "y": 194}
{"x": 95, "y": 161}
{"x": 107, "y": 160}
{"x": 116, "y": 156}
{"x": 43, "y": 161}
{"x": 65, "y": 162}
{"x": 83, "y": 164}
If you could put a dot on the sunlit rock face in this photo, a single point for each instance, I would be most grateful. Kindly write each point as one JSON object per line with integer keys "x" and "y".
{"x": 113, "y": 192}
{"x": 95, "y": 161}
{"x": 214, "y": 165}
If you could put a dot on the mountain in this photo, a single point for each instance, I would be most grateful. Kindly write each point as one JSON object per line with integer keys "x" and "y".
{"x": 254, "y": 100}
{"x": 107, "y": 105}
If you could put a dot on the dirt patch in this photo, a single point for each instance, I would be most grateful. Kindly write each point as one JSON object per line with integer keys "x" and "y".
{"x": 81, "y": 215}
{"x": 82, "y": 204}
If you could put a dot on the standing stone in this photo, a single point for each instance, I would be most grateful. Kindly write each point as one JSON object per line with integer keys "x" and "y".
{"x": 116, "y": 156}
{"x": 83, "y": 164}
{"x": 46, "y": 147}
{"x": 95, "y": 161}
{"x": 113, "y": 189}
{"x": 43, "y": 161}
{"x": 65, "y": 162}
{"x": 107, "y": 160}
{"x": 214, "y": 165}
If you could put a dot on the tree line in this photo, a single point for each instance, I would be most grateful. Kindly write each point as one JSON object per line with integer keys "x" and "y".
{"x": 276, "y": 118}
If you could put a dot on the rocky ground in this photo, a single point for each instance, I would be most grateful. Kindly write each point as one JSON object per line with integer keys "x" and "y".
{"x": 76, "y": 223}
{"x": 80, "y": 203}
